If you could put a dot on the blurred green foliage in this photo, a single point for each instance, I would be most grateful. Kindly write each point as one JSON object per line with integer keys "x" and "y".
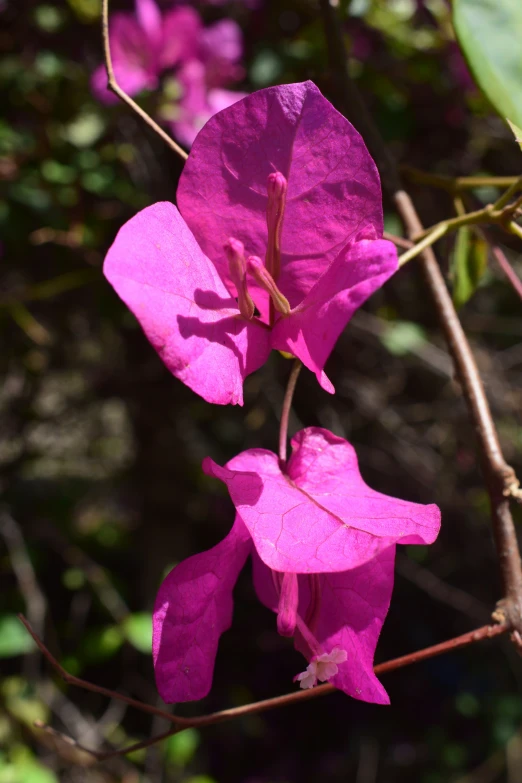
{"x": 100, "y": 449}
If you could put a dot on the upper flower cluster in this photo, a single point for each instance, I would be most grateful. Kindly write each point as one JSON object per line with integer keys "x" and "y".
{"x": 276, "y": 243}
{"x": 204, "y": 61}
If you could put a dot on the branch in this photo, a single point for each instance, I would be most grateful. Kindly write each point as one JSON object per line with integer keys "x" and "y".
{"x": 497, "y": 214}
{"x": 113, "y": 85}
{"x": 180, "y": 723}
{"x": 36, "y": 605}
{"x": 455, "y": 184}
{"x": 501, "y": 259}
{"x": 399, "y": 241}
{"x": 501, "y": 481}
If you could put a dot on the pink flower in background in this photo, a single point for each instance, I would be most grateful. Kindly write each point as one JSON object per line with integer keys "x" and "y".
{"x": 202, "y": 79}
{"x": 144, "y": 44}
{"x": 280, "y": 210}
{"x": 205, "y": 60}
{"x": 323, "y": 548}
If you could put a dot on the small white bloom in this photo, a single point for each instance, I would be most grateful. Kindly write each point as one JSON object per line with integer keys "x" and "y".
{"x": 323, "y": 668}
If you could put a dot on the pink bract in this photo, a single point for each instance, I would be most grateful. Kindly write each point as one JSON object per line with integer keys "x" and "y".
{"x": 323, "y": 545}
{"x": 282, "y": 174}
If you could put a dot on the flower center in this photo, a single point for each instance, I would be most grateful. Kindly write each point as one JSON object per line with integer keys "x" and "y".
{"x": 321, "y": 668}
{"x": 265, "y": 275}
{"x": 323, "y": 665}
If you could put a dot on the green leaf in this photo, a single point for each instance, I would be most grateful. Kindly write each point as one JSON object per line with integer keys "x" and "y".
{"x": 266, "y": 68}
{"x": 137, "y": 629}
{"x": 14, "y": 639}
{"x": 200, "y": 779}
{"x": 21, "y": 701}
{"x": 468, "y": 264}
{"x": 99, "y": 644}
{"x": 34, "y": 772}
{"x": 401, "y": 337}
{"x": 86, "y": 10}
{"x": 517, "y": 132}
{"x": 180, "y": 748}
{"x": 489, "y": 32}
{"x": 85, "y": 130}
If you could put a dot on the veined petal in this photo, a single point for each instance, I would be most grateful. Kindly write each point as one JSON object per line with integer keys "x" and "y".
{"x": 193, "y": 608}
{"x": 319, "y": 516}
{"x": 326, "y": 467}
{"x": 354, "y": 605}
{"x": 334, "y": 195}
{"x": 353, "y": 609}
{"x": 158, "y": 269}
{"x": 311, "y": 330}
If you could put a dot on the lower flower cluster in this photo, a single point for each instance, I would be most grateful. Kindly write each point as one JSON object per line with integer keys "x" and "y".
{"x": 323, "y": 548}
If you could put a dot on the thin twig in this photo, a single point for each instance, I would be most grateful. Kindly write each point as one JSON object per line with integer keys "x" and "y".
{"x": 501, "y": 259}
{"x": 399, "y": 241}
{"x": 441, "y": 591}
{"x": 455, "y": 184}
{"x": 427, "y": 241}
{"x": 496, "y": 214}
{"x": 485, "y": 632}
{"x": 70, "y": 679}
{"x": 113, "y": 85}
{"x": 285, "y": 412}
{"x": 36, "y": 605}
{"x": 501, "y": 481}
{"x": 95, "y": 574}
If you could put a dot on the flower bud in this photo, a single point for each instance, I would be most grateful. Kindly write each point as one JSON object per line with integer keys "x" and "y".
{"x": 265, "y": 280}
{"x": 235, "y": 253}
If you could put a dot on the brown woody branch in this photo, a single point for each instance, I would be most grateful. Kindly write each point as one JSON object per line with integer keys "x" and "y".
{"x": 180, "y": 723}
{"x": 501, "y": 481}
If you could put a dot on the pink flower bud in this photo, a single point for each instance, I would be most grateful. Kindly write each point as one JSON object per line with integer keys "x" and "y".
{"x": 235, "y": 253}
{"x": 265, "y": 280}
{"x": 275, "y": 210}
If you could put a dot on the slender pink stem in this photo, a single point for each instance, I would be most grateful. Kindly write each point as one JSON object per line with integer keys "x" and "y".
{"x": 508, "y": 270}
{"x": 285, "y": 413}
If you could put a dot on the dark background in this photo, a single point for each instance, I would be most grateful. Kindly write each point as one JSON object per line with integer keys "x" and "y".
{"x": 100, "y": 448}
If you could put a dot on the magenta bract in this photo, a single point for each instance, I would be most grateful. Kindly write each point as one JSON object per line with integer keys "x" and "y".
{"x": 282, "y": 174}
{"x": 323, "y": 546}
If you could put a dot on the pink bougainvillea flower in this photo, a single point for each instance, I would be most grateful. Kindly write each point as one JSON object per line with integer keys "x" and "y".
{"x": 144, "y": 44}
{"x": 280, "y": 205}
{"x": 323, "y": 548}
